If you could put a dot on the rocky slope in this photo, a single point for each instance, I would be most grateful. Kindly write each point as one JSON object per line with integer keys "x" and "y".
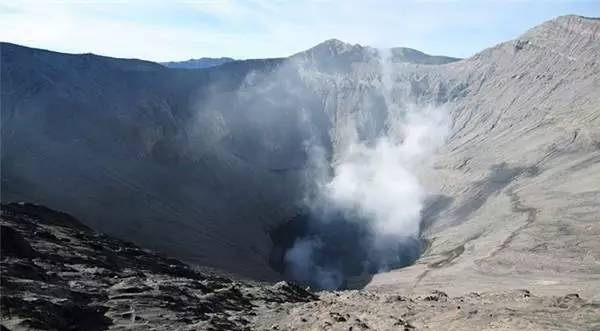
{"x": 518, "y": 203}
{"x": 83, "y": 132}
{"x": 57, "y": 274}
{"x": 203, "y": 164}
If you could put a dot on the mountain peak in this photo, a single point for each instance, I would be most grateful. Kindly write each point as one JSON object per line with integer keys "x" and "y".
{"x": 571, "y": 35}
{"x": 565, "y": 26}
{"x": 577, "y": 17}
{"x": 333, "y": 42}
{"x": 335, "y": 47}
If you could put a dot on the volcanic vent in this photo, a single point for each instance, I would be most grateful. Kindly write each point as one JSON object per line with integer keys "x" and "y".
{"x": 337, "y": 252}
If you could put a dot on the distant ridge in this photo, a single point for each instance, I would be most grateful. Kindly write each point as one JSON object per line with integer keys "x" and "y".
{"x": 409, "y": 55}
{"x": 201, "y": 63}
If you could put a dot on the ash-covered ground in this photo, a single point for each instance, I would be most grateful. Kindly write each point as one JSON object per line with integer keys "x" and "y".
{"x": 57, "y": 274}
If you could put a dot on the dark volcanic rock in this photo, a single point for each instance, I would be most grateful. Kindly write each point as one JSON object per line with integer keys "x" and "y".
{"x": 13, "y": 244}
{"x": 59, "y": 275}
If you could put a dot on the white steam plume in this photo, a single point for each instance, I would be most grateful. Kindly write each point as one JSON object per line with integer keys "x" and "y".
{"x": 379, "y": 182}
{"x": 376, "y": 183}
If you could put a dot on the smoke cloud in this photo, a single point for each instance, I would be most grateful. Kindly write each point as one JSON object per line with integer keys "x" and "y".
{"x": 379, "y": 183}
{"x": 301, "y": 259}
{"x": 374, "y": 189}
{"x": 337, "y": 125}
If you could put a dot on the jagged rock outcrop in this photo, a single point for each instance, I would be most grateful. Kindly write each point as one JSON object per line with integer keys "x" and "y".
{"x": 61, "y": 275}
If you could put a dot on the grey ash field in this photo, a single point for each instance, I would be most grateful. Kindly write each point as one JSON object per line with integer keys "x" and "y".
{"x": 511, "y": 224}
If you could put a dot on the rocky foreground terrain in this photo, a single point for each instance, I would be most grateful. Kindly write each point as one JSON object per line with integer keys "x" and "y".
{"x": 57, "y": 274}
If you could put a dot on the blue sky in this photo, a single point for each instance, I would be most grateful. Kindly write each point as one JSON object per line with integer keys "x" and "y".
{"x": 179, "y": 30}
